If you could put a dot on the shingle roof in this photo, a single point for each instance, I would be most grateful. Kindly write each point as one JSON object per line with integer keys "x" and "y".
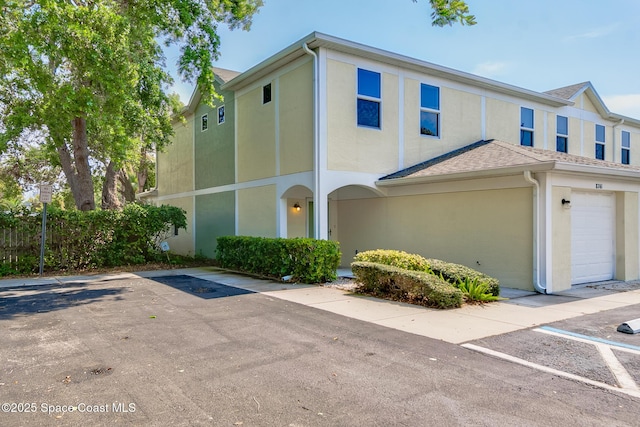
{"x": 567, "y": 92}
{"x": 224, "y": 74}
{"x": 494, "y": 154}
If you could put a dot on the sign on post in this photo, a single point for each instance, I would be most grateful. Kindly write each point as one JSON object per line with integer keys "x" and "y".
{"x": 46, "y": 194}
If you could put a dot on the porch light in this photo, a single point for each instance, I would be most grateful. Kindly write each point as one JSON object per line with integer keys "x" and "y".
{"x": 296, "y": 207}
{"x": 566, "y": 203}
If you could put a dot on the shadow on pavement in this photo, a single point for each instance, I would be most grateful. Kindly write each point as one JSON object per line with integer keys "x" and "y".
{"x": 199, "y": 287}
{"x": 24, "y": 300}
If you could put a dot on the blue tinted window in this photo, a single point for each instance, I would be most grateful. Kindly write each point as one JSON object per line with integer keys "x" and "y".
{"x": 599, "y": 133}
{"x": 429, "y": 97}
{"x": 368, "y": 113}
{"x": 561, "y": 144}
{"x": 526, "y": 138}
{"x": 368, "y": 83}
{"x": 429, "y": 123}
{"x": 625, "y": 157}
{"x": 221, "y": 114}
{"x": 563, "y": 127}
{"x": 526, "y": 117}
{"x": 626, "y": 139}
{"x": 600, "y": 151}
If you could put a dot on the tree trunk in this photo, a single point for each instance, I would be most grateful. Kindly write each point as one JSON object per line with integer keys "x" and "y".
{"x": 78, "y": 171}
{"x": 142, "y": 172}
{"x": 127, "y": 188}
{"x": 110, "y": 198}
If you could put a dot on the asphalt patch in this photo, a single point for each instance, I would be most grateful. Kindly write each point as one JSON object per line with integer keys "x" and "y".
{"x": 205, "y": 289}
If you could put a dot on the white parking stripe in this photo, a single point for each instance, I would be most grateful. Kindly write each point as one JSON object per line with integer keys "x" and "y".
{"x": 634, "y": 393}
{"x": 622, "y": 376}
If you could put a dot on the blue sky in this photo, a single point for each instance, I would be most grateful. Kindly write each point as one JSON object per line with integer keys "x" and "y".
{"x": 538, "y": 45}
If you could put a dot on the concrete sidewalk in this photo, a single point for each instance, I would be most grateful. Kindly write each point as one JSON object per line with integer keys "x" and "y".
{"x": 471, "y": 322}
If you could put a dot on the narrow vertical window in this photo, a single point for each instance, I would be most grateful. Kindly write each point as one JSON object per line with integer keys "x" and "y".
{"x": 626, "y": 147}
{"x": 266, "y": 93}
{"x": 204, "y": 122}
{"x": 600, "y": 142}
{"x": 221, "y": 114}
{"x": 429, "y": 110}
{"x": 526, "y": 126}
{"x": 562, "y": 131}
{"x": 368, "y": 98}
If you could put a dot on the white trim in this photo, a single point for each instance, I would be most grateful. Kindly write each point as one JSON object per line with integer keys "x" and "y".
{"x": 483, "y": 117}
{"x": 401, "y": 119}
{"x": 276, "y": 117}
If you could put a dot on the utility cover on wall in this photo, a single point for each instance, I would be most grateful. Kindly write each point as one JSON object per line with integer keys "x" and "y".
{"x": 630, "y": 327}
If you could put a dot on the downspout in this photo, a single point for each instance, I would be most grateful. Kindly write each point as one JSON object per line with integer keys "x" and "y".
{"x": 536, "y": 234}
{"x": 614, "y": 140}
{"x": 316, "y": 142}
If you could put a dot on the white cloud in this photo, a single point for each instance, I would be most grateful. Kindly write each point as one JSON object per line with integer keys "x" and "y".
{"x": 593, "y": 34}
{"x": 492, "y": 68}
{"x": 627, "y": 105}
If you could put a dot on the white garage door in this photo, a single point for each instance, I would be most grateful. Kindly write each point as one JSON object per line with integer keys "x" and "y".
{"x": 592, "y": 237}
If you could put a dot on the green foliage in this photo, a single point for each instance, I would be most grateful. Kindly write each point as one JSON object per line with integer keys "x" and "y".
{"x": 90, "y": 77}
{"x": 307, "y": 260}
{"x": 398, "y": 259}
{"x": 476, "y": 290}
{"x": 456, "y": 273}
{"x": 414, "y": 286}
{"x": 452, "y": 273}
{"x": 79, "y": 240}
{"x": 447, "y": 12}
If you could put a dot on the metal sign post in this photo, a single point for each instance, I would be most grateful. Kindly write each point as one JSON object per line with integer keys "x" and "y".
{"x": 46, "y": 193}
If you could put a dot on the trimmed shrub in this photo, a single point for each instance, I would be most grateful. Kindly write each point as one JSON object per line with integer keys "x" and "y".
{"x": 456, "y": 274}
{"x": 415, "y": 286}
{"x": 398, "y": 259}
{"x": 306, "y": 260}
{"x": 452, "y": 273}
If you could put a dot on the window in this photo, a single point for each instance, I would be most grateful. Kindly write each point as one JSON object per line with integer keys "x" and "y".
{"x": 221, "y": 114}
{"x": 266, "y": 93}
{"x": 204, "y": 122}
{"x": 368, "y": 98}
{"x": 562, "y": 130}
{"x": 526, "y": 126}
{"x": 599, "y": 142}
{"x": 429, "y": 110}
{"x": 626, "y": 147}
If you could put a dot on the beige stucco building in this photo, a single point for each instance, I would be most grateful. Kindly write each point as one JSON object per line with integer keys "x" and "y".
{"x": 335, "y": 140}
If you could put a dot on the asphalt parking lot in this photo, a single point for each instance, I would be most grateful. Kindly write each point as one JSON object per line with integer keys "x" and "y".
{"x": 588, "y": 348}
{"x": 175, "y": 350}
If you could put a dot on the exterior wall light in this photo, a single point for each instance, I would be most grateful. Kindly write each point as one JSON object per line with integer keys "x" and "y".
{"x": 296, "y": 207}
{"x": 566, "y": 203}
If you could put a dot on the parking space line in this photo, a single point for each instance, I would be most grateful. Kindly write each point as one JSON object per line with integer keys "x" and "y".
{"x": 586, "y": 338}
{"x": 622, "y": 376}
{"x": 631, "y": 392}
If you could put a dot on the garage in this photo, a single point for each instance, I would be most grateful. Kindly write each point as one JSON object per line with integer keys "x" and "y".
{"x": 592, "y": 237}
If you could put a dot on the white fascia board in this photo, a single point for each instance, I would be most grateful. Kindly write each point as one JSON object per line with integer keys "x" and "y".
{"x": 597, "y": 170}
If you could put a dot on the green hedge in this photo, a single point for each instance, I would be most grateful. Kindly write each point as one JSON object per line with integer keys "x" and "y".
{"x": 452, "y": 273}
{"x": 306, "y": 260}
{"x": 456, "y": 273}
{"x": 80, "y": 240}
{"x": 416, "y": 286}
